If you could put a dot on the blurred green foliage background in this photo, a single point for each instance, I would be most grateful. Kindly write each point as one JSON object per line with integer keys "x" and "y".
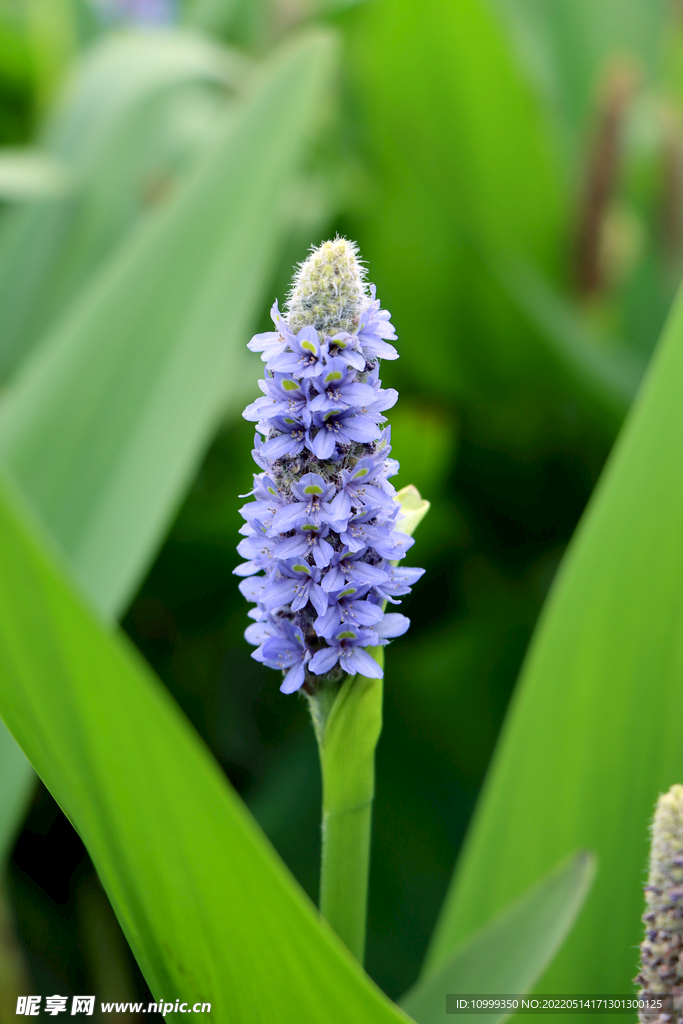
{"x": 512, "y": 171}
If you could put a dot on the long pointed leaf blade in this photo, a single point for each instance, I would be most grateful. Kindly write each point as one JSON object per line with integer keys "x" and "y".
{"x": 508, "y": 955}
{"x": 105, "y": 426}
{"x": 594, "y": 731}
{"x": 47, "y": 252}
{"x": 210, "y": 911}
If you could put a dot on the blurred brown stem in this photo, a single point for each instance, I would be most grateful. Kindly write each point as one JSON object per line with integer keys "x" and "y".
{"x": 601, "y": 177}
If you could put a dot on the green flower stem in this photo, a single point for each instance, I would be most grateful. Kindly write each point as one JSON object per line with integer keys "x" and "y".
{"x": 347, "y": 737}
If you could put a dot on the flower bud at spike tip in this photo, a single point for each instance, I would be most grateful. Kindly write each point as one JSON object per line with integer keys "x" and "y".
{"x": 329, "y": 289}
{"x": 323, "y": 528}
{"x": 661, "y": 971}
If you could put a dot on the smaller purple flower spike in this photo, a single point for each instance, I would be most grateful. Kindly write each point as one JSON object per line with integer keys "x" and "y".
{"x": 324, "y": 530}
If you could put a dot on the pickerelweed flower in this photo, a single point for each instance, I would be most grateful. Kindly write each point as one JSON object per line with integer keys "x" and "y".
{"x": 322, "y": 534}
{"x": 661, "y": 952}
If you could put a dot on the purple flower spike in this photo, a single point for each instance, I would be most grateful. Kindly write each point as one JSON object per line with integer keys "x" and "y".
{"x": 320, "y": 539}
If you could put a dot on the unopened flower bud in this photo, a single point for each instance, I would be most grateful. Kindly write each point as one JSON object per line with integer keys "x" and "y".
{"x": 329, "y": 290}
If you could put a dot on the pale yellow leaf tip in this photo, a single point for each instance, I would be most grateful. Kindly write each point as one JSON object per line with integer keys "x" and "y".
{"x": 413, "y": 509}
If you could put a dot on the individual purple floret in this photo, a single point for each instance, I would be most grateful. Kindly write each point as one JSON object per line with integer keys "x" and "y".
{"x": 321, "y": 530}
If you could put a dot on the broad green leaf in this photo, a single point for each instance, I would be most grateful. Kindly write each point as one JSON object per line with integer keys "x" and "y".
{"x": 53, "y": 34}
{"x": 209, "y": 910}
{"x": 462, "y": 162}
{"x": 508, "y": 955}
{"x": 124, "y": 69}
{"x": 105, "y": 425}
{"x": 593, "y": 733}
{"x": 106, "y": 131}
{"x": 331, "y": 7}
{"x": 215, "y": 16}
{"x": 439, "y": 79}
